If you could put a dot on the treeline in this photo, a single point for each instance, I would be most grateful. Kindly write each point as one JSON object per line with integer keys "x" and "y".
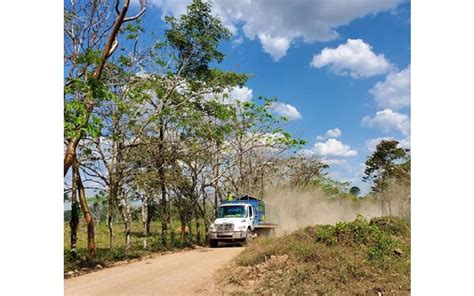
{"x": 148, "y": 118}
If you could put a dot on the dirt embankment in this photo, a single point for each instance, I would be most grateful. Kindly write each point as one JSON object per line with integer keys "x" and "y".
{"x": 183, "y": 273}
{"x": 353, "y": 258}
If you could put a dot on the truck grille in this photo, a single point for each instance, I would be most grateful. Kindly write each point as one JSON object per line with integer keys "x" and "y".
{"x": 225, "y": 227}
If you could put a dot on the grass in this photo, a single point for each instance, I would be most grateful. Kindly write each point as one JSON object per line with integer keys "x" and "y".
{"x": 104, "y": 255}
{"x": 354, "y": 258}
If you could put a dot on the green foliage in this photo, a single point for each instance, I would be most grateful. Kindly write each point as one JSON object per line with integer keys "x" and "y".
{"x": 384, "y": 164}
{"x": 354, "y": 190}
{"x": 76, "y": 121}
{"x": 332, "y": 187}
{"x": 196, "y": 36}
{"x": 392, "y": 225}
{"x": 377, "y": 242}
{"x": 89, "y": 57}
{"x": 133, "y": 29}
{"x": 326, "y": 234}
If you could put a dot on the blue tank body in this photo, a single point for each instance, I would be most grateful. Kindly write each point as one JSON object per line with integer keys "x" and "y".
{"x": 258, "y": 206}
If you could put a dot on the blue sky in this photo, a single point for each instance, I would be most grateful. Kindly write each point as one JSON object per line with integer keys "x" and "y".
{"x": 355, "y": 91}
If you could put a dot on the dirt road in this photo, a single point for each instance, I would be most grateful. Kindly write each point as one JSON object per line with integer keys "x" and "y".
{"x": 183, "y": 273}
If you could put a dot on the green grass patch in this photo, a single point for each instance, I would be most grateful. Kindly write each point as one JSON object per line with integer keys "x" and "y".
{"x": 106, "y": 256}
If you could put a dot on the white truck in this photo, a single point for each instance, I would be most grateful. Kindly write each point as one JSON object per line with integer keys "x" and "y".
{"x": 239, "y": 221}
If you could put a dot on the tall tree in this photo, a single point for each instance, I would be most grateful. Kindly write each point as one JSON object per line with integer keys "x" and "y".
{"x": 386, "y": 162}
{"x": 85, "y": 82}
{"x": 389, "y": 164}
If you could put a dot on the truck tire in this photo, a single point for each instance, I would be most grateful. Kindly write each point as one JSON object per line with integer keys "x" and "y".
{"x": 248, "y": 237}
{"x": 213, "y": 243}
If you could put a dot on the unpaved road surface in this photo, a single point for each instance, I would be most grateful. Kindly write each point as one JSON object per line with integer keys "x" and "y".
{"x": 183, "y": 273}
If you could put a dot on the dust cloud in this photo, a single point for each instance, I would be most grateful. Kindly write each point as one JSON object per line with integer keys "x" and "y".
{"x": 292, "y": 209}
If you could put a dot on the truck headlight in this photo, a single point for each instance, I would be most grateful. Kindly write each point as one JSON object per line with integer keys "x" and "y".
{"x": 212, "y": 228}
{"x": 242, "y": 227}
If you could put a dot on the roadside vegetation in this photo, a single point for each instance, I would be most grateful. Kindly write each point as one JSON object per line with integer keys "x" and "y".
{"x": 156, "y": 136}
{"x": 80, "y": 263}
{"x": 350, "y": 258}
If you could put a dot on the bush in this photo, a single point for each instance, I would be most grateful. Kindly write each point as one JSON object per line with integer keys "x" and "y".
{"x": 391, "y": 225}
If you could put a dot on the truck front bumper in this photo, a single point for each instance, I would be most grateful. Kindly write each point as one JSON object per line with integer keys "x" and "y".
{"x": 229, "y": 235}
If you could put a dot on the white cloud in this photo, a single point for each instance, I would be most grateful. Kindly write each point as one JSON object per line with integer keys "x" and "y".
{"x": 333, "y": 147}
{"x": 171, "y": 7}
{"x": 406, "y": 142}
{"x": 334, "y": 161}
{"x": 230, "y": 96}
{"x": 331, "y": 133}
{"x": 242, "y": 94}
{"x": 371, "y": 144}
{"x": 275, "y": 46}
{"x": 334, "y": 133}
{"x": 279, "y": 23}
{"x": 306, "y": 152}
{"x": 286, "y": 110}
{"x": 387, "y": 121}
{"x": 394, "y": 91}
{"x": 355, "y": 58}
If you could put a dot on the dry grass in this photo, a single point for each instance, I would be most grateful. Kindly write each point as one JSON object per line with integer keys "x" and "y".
{"x": 350, "y": 258}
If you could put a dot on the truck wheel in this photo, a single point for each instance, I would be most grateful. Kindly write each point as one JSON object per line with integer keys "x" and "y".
{"x": 248, "y": 237}
{"x": 213, "y": 243}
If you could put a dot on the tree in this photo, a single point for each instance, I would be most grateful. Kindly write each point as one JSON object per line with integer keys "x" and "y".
{"x": 87, "y": 51}
{"x": 85, "y": 81}
{"x": 389, "y": 164}
{"x": 385, "y": 163}
{"x": 304, "y": 170}
{"x": 255, "y": 141}
{"x": 183, "y": 116}
{"x": 354, "y": 190}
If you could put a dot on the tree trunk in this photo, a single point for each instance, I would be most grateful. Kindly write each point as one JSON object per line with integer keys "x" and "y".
{"x": 124, "y": 209}
{"x": 74, "y": 215}
{"x": 87, "y": 215}
{"x": 145, "y": 220}
{"x": 165, "y": 217}
{"x": 183, "y": 229}
{"x": 70, "y": 153}
{"x": 389, "y": 202}
{"x": 151, "y": 208}
{"x": 206, "y": 226}
{"x": 189, "y": 218}
{"x": 198, "y": 228}
{"x": 170, "y": 222}
{"x": 110, "y": 219}
{"x": 216, "y": 188}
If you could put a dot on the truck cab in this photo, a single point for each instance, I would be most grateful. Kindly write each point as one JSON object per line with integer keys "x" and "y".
{"x": 234, "y": 223}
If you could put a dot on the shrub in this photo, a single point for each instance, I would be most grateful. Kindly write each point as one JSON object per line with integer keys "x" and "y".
{"x": 392, "y": 225}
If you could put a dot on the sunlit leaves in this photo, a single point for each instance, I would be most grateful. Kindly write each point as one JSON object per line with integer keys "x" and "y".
{"x": 195, "y": 36}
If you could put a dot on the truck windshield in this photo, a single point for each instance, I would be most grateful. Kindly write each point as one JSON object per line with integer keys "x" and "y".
{"x": 231, "y": 212}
